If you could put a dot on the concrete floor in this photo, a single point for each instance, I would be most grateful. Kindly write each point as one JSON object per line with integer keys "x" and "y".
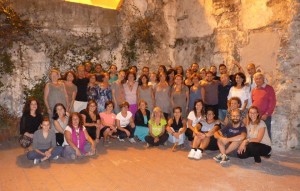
{"x": 124, "y": 166}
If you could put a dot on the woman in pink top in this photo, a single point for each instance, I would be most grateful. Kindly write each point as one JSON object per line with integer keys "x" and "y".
{"x": 108, "y": 122}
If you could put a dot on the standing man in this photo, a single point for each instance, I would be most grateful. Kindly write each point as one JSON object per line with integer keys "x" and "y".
{"x": 230, "y": 137}
{"x": 195, "y": 67}
{"x": 209, "y": 93}
{"x": 264, "y": 98}
{"x": 81, "y": 82}
{"x": 223, "y": 91}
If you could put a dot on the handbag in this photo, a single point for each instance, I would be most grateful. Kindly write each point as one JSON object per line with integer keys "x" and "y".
{"x": 25, "y": 141}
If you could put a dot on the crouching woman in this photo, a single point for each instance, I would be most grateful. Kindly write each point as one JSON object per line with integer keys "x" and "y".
{"x": 77, "y": 140}
{"x": 44, "y": 144}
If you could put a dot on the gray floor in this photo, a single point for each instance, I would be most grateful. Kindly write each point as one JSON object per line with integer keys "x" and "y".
{"x": 124, "y": 166}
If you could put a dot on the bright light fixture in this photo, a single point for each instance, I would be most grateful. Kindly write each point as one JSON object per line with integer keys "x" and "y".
{"x": 108, "y": 4}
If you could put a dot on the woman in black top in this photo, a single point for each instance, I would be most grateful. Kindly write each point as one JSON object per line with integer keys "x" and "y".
{"x": 31, "y": 120}
{"x": 91, "y": 119}
{"x": 141, "y": 119}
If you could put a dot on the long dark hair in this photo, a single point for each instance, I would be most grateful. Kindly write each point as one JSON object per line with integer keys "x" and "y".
{"x": 26, "y": 109}
{"x": 55, "y": 114}
{"x": 242, "y": 75}
{"x": 89, "y": 104}
{"x": 202, "y": 110}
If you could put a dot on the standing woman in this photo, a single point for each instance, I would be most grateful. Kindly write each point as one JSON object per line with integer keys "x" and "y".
{"x": 188, "y": 78}
{"x": 152, "y": 80}
{"x": 171, "y": 76}
{"x": 108, "y": 122}
{"x": 125, "y": 123}
{"x": 130, "y": 89}
{"x": 44, "y": 144}
{"x": 161, "y": 68}
{"x": 179, "y": 70}
{"x": 77, "y": 140}
{"x": 104, "y": 93}
{"x": 118, "y": 94}
{"x": 60, "y": 121}
{"x": 195, "y": 117}
{"x": 30, "y": 121}
{"x": 92, "y": 88}
{"x": 240, "y": 90}
{"x": 55, "y": 92}
{"x": 195, "y": 91}
{"x": 157, "y": 129}
{"x": 145, "y": 92}
{"x": 180, "y": 95}
{"x": 113, "y": 70}
{"x": 141, "y": 119}
{"x": 91, "y": 119}
{"x": 258, "y": 142}
{"x": 71, "y": 89}
{"x": 176, "y": 128}
{"x": 203, "y": 76}
{"x": 162, "y": 95}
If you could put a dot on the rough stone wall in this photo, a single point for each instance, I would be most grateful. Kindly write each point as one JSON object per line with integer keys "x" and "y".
{"x": 265, "y": 32}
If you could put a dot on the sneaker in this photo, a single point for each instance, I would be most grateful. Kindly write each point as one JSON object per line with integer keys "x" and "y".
{"x": 36, "y": 161}
{"x": 147, "y": 145}
{"x": 121, "y": 140}
{"x": 192, "y": 154}
{"x": 198, "y": 154}
{"x": 131, "y": 140}
{"x": 225, "y": 160}
{"x": 55, "y": 158}
{"x": 218, "y": 158}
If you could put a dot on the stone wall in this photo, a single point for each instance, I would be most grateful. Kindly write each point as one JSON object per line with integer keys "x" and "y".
{"x": 209, "y": 32}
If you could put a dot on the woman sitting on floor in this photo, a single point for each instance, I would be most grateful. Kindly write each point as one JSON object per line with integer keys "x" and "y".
{"x": 141, "y": 119}
{"x": 108, "y": 122}
{"x": 176, "y": 128}
{"x": 258, "y": 142}
{"x": 77, "y": 140}
{"x": 157, "y": 129}
{"x": 125, "y": 123}
{"x": 204, "y": 136}
{"x": 44, "y": 144}
{"x": 60, "y": 121}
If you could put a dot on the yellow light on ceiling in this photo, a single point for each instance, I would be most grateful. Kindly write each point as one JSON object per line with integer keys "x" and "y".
{"x": 108, "y": 4}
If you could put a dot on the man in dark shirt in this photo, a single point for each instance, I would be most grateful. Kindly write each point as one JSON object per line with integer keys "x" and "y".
{"x": 81, "y": 83}
{"x": 223, "y": 91}
{"x": 231, "y": 136}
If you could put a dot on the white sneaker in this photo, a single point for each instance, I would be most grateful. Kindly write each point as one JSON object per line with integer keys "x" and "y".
{"x": 192, "y": 154}
{"x": 121, "y": 140}
{"x": 36, "y": 161}
{"x": 198, "y": 154}
{"x": 55, "y": 158}
{"x": 73, "y": 157}
{"x": 131, "y": 140}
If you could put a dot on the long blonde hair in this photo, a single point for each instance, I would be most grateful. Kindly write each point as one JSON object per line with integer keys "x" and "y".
{"x": 156, "y": 110}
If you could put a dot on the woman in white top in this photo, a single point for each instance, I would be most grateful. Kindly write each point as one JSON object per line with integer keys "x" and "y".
{"x": 125, "y": 123}
{"x": 258, "y": 142}
{"x": 195, "y": 116}
{"x": 204, "y": 138}
{"x": 240, "y": 90}
{"x": 77, "y": 140}
{"x": 130, "y": 89}
{"x": 60, "y": 121}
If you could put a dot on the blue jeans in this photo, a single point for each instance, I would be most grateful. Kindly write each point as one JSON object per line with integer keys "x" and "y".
{"x": 69, "y": 151}
{"x": 31, "y": 155}
{"x": 268, "y": 124}
{"x": 222, "y": 114}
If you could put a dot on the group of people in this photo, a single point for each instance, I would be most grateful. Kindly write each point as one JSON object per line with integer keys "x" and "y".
{"x": 226, "y": 112}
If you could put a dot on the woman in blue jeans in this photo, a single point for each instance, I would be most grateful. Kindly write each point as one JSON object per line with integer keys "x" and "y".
{"x": 44, "y": 144}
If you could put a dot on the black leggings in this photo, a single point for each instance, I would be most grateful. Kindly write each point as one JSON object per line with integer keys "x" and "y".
{"x": 59, "y": 139}
{"x": 255, "y": 150}
{"x": 162, "y": 139}
{"x": 123, "y": 135}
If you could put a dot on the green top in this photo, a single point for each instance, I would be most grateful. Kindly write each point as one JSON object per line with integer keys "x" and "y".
{"x": 157, "y": 128}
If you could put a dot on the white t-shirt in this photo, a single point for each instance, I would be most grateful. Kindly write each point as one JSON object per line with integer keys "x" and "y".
{"x": 252, "y": 132}
{"x": 194, "y": 119}
{"x": 243, "y": 94}
{"x": 208, "y": 126}
{"x": 124, "y": 121}
{"x": 68, "y": 128}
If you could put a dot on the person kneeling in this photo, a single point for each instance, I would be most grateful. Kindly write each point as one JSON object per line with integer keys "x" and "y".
{"x": 231, "y": 136}
{"x": 125, "y": 123}
{"x": 205, "y": 139}
{"x": 77, "y": 140}
{"x": 157, "y": 131}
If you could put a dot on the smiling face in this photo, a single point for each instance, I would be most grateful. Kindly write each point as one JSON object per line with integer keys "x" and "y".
{"x": 33, "y": 106}
{"x": 121, "y": 75}
{"x": 142, "y": 105}
{"x": 75, "y": 120}
{"x": 239, "y": 80}
{"x": 130, "y": 77}
{"x": 253, "y": 114}
{"x": 70, "y": 77}
{"x": 178, "y": 80}
{"x": 235, "y": 117}
{"x": 199, "y": 106}
{"x": 45, "y": 125}
{"x": 109, "y": 108}
{"x": 92, "y": 79}
{"x": 54, "y": 76}
{"x": 210, "y": 115}
{"x": 92, "y": 107}
{"x": 60, "y": 111}
{"x": 177, "y": 113}
{"x": 259, "y": 80}
{"x": 234, "y": 104}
